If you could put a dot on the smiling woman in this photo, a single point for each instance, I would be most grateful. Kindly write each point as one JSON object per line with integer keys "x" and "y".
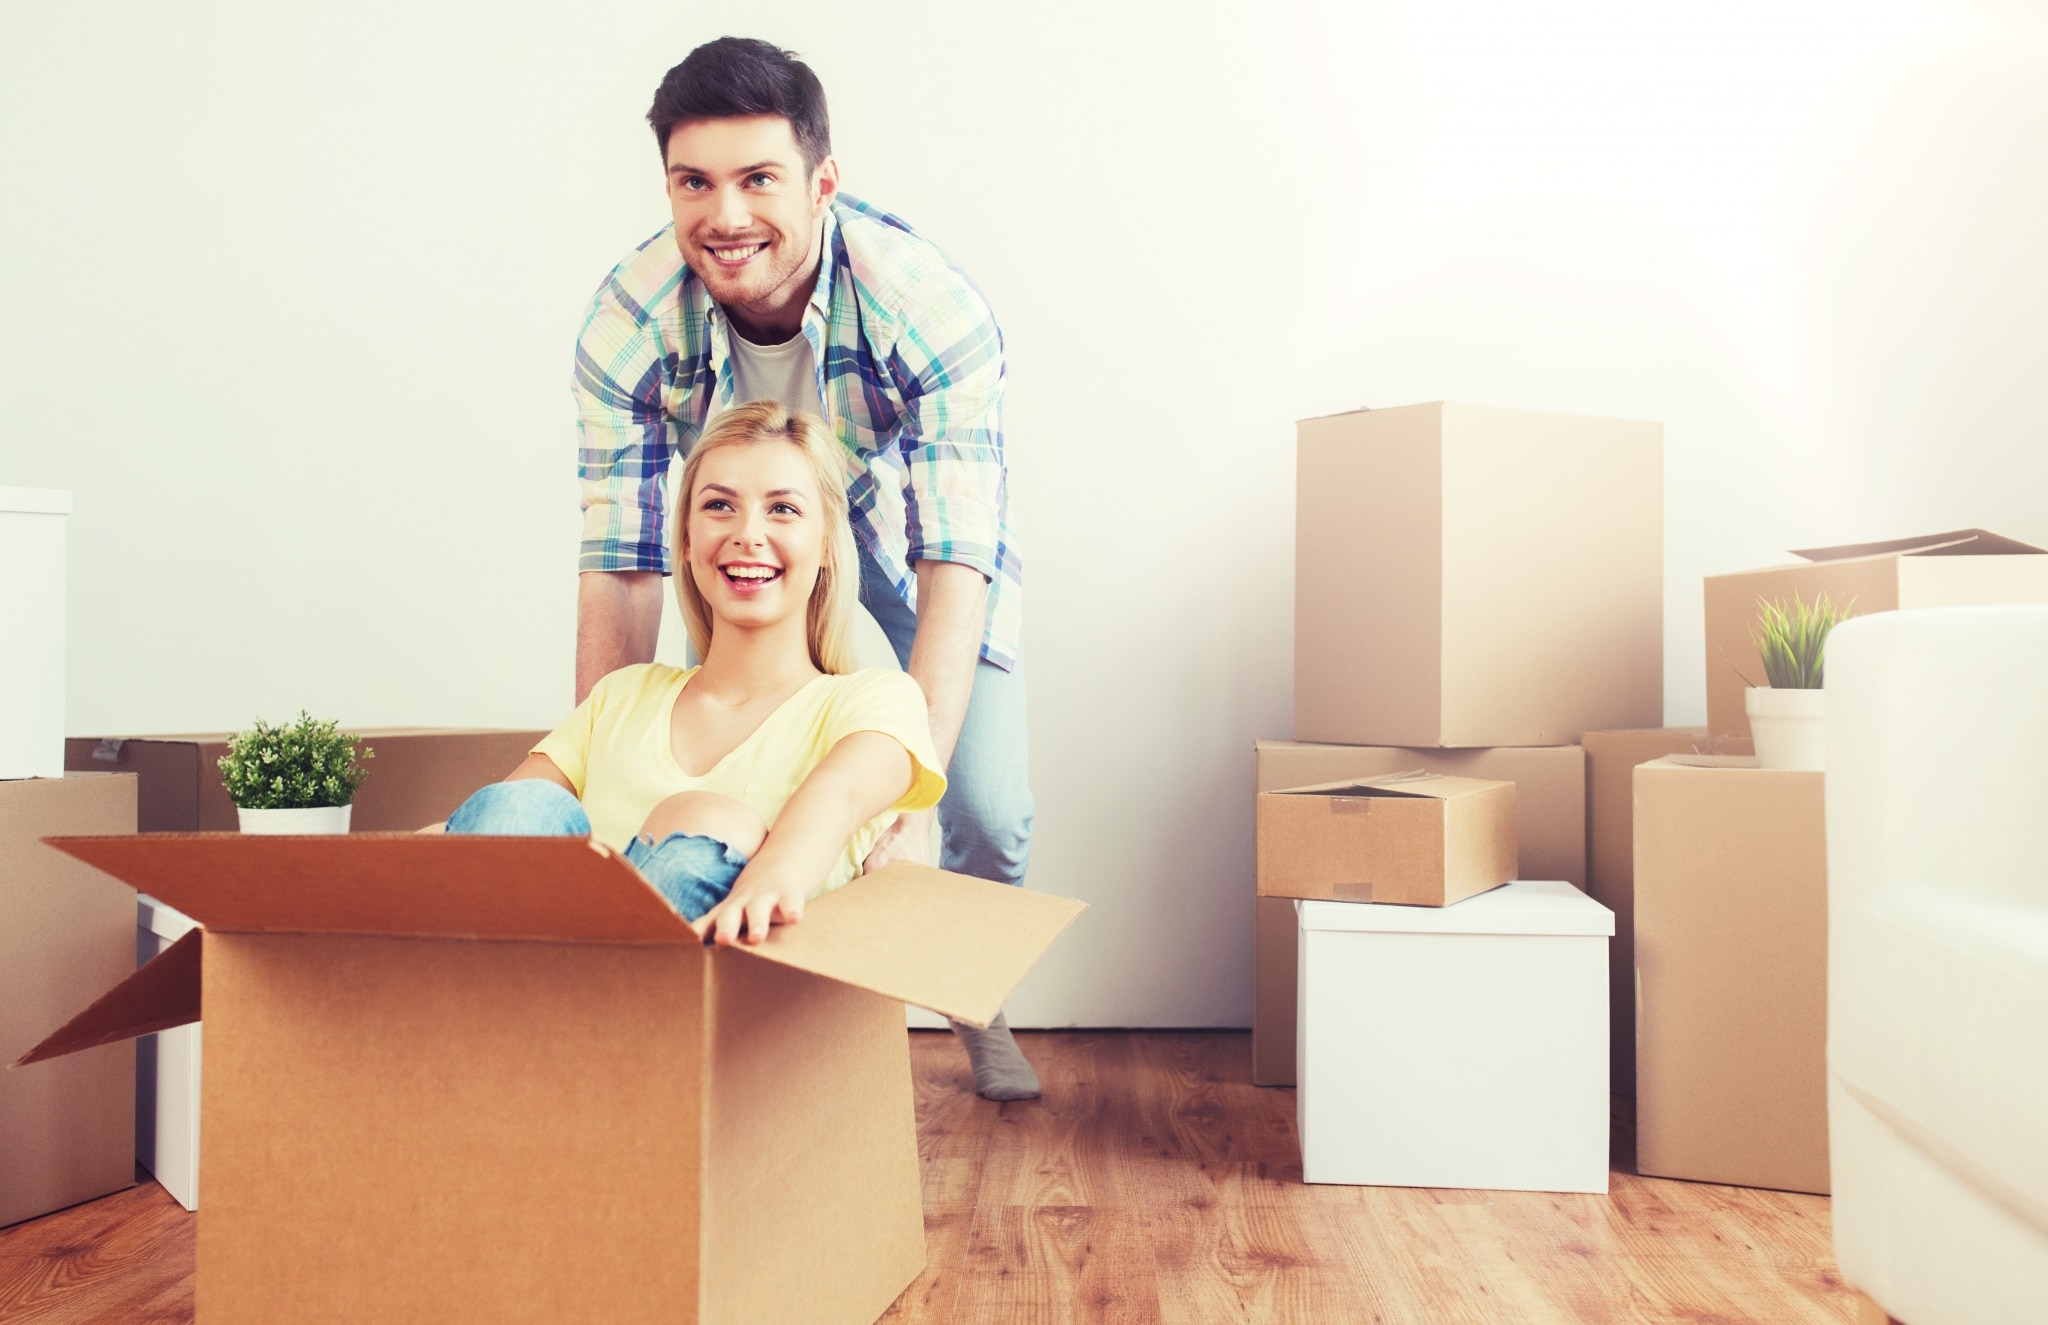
{"x": 743, "y": 787}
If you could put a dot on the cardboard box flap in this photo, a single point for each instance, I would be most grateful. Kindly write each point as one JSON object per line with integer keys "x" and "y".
{"x": 953, "y": 944}
{"x": 1432, "y": 786}
{"x": 539, "y": 889}
{"x": 1955, "y": 543}
{"x": 162, "y": 994}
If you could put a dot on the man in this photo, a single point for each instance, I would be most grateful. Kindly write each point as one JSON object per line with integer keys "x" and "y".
{"x": 770, "y": 283}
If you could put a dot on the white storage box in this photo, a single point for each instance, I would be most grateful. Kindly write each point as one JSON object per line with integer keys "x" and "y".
{"x": 1457, "y": 1046}
{"x": 166, "y": 1072}
{"x": 32, "y": 523}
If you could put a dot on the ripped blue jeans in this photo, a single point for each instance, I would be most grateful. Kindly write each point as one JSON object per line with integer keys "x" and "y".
{"x": 692, "y": 873}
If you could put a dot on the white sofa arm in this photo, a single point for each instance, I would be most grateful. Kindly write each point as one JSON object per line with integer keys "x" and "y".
{"x": 1937, "y": 737}
{"x": 1937, "y": 823}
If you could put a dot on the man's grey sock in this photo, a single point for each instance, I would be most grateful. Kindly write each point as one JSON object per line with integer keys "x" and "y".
{"x": 1000, "y": 1072}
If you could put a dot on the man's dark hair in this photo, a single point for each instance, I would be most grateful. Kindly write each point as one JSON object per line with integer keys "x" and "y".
{"x": 736, "y": 76}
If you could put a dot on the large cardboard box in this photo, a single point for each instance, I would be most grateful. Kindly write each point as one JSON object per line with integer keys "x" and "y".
{"x": 1959, "y": 568}
{"x": 468, "y": 1079}
{"x": 32, "y": 538}
{"x": 1550, "y": 843}
{"x": 1731, "y": 974}
{"x": 66, "y": 932}
{"x": 418, "y": 775}
{"x": 1611, "y": 761}
{"x": 1461, "y": 1046}
{"x": 1477, "y": 577}
{"x": 1414, "y": 838}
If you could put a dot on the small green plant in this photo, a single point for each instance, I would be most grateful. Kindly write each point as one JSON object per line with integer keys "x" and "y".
{"x": 303, "y": 765}
{"x": 1793, "y": 640}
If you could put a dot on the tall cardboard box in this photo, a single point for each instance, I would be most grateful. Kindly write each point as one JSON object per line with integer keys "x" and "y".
{"x": 1731, "y": 974}
{"x": 1550, "y": 841}
{"x": 1611, "y": 761}
{"x": 468, "y": 1079}
{"x": 1960, "y": 568}
{"x": 66, "y": 933}
{"x": 1468, "y": 576}
{"x": 418, "y": 775}
{"x": 32, "y": 537}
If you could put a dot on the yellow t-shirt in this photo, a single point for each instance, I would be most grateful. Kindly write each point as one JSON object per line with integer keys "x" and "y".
{"x": 615, "y": 750}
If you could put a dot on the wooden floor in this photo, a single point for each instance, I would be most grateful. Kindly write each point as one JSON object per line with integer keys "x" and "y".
{"x": 1155, "y": 1183}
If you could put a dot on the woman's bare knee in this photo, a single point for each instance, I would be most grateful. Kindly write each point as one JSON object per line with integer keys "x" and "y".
{"x": 707, "y": 814}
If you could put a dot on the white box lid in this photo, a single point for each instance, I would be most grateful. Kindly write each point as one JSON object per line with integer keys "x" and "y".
{"x": 1522, "y": 907}
{"x": 36, "y": 501}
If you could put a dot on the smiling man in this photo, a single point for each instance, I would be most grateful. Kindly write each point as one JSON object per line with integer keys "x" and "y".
{"x": 772, "y": 284}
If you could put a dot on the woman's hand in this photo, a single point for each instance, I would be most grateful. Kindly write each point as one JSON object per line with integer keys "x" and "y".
{"x": 758, "y": 900}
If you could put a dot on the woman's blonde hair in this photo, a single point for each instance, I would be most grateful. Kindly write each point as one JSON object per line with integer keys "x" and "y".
{"x": 837, "y": 593}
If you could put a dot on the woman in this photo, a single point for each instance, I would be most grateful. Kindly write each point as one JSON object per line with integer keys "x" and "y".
{"x": 761, "y": 778}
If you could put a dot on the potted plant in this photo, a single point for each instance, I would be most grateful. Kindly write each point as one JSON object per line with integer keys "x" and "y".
{"x": 295, "y": 778}
{"x": 1785, "y": 717}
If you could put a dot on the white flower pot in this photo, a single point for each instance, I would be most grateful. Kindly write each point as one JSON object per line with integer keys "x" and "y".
{"x": 321, "y": 819}
{"x": 1787, "y": 727}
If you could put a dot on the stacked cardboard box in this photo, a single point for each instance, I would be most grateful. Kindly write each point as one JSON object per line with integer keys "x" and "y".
{"x": 1474, "y": 588}
{"x": 1550, "y": 816}
{"x": 66, "y": 932}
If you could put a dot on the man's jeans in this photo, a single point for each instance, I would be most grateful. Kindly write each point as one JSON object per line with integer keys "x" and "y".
{"x": 691, "y": 872}
{"x": 986, "y": 815}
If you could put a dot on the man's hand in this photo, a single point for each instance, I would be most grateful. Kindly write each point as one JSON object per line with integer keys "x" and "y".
{"x": 909, "y": 838}
{"x": 618, "y": 621}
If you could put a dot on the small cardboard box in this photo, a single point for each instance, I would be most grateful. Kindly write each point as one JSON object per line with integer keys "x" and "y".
{"x": 1731, "y": 974}
{"x": 1477, "y": 577}
{"x": 1459, "y": 1046}
{"x": 418, "y": 775}
{"x": 1611, "y": 760}
{"x": 66, "y": 933}
{"x": 1960, "y": 568}
{"x": 1550, "y": 842}
{"x": 32, "y": 539}
{"x": 470, "y": 1079}
{"x": 1413, "y": 838}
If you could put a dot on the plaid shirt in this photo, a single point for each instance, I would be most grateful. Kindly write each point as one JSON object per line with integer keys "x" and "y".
{"x": 910, "y": 369}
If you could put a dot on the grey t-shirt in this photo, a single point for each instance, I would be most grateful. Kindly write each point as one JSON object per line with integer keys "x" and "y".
{"x": 787, "y": 373}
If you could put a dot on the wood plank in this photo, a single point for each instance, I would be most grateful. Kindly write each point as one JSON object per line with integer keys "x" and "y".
{"x": 1155, "y": 1183}
{"x": 1060, "y": 1265}
{"x": 125, "y": 1257}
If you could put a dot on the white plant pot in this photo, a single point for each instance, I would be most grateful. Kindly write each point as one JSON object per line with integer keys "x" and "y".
{"x": 321, "y": 819}
{"x": 1787, "y": 727}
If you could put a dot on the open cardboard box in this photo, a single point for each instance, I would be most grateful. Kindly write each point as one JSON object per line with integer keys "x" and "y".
{"x": 1414, "y": 838}
{"x": 1961, "y": 568}
{"x": 457, "y": 1079}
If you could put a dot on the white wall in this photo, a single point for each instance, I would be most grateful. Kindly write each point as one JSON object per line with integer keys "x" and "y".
{"x": 288, "y": 300}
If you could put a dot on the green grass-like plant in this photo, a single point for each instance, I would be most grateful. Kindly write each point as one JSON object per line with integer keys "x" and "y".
{"x": 1793, "y": 640}
{"x": 303, "y": 765}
